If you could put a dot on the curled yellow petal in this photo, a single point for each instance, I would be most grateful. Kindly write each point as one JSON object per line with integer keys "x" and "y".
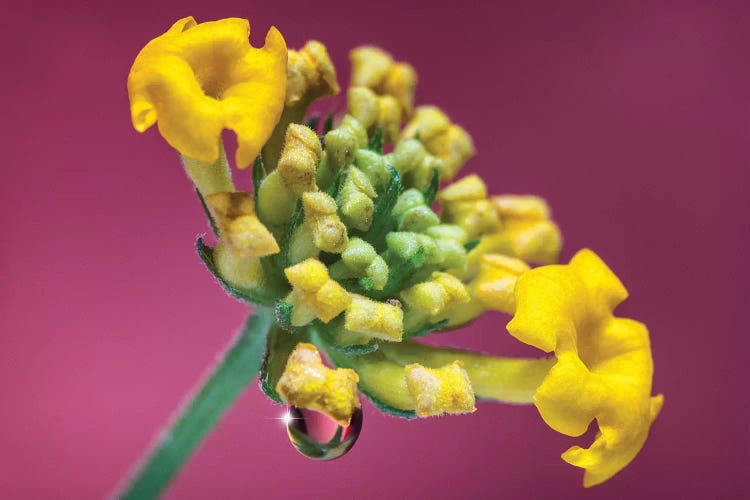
{"x": 308, "y": 383}
{"x": 436, "y": 391}
{"x": 197, "y": 79}
{"x": 316, "y": 290}
{"x": 604, "y": 368}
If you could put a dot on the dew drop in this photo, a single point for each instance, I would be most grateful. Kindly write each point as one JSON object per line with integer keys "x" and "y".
{"x": 319, "y": 437}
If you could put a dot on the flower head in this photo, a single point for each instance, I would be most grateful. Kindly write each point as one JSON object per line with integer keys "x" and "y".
{"x": 197, "y": 79}
{"x": 604, "y": 365}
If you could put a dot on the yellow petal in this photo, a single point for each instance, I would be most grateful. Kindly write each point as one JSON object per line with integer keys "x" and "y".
{"x": 604, "y": 367}
{"x": 197, "y": 79}
{"x": 308, "y": 383}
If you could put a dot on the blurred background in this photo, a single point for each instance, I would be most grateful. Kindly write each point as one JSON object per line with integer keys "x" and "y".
{"x": 631, "y": 118}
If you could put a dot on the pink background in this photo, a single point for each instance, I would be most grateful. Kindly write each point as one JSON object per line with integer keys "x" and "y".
{"x": 631, "y": 119}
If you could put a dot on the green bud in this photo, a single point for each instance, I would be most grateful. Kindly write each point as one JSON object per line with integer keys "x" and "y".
{"x": 373, "y": 166}
{"x": 407, "y": 155}
{"x": 402, "y": 244}
{"x": 448, "y": 232}
{"x": 276, "y": 202}
{"x": 355, "y": 200}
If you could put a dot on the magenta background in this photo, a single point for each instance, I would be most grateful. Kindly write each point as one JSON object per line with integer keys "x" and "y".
{"x": 632, "y": 120}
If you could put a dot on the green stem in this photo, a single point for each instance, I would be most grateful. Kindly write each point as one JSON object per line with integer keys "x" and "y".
{"x": 210, "y": 178}
{"x": 233, "y": 371}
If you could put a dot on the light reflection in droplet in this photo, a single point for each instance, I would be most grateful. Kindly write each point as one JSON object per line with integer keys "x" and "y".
{"x": 317, "y": 436}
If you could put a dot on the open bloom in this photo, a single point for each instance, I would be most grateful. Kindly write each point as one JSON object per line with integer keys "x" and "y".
{"x": 604, "y": 366}
{"x": 197, "y": 79}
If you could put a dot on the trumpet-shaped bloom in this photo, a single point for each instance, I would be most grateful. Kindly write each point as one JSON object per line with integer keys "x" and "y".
{"x": 604, "y": 366}
{"x": 197, "y": 79}
{"x": 308, "y": 383}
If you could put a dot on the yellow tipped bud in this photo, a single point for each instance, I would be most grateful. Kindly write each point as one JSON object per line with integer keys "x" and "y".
{"x": 356, "y": 198}
{"x": 496, "y": 281}
{"x": 239, "y": 228}
{"x": 343, "y": 142}
{"x": 308, "y": 383}
{"x": 440, "y": 390}
{"x": 374, "y": 68}
{"x": 329, "y": 233}
{"x": 464, "y": 203}
{"x": 316, "y": 290}
{"x": 299, "y": 158}
{"x": 240, "y": 272}
{"x": 512, "y": 206}
{"x": 436, "y": 296}
{"x": 377, "y": 319}
{"x": 310, "y": 74}
{"x": 441, "y": 138}
{"x": 375, "y": 111}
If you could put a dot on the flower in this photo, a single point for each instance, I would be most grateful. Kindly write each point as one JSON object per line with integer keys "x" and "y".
{"x": 604, "y": 366}
{"x": 315, "y": 295}
{"x": 197, "y": 79}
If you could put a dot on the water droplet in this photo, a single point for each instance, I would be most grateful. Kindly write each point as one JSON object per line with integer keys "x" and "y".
{"x": 317, "y": 436}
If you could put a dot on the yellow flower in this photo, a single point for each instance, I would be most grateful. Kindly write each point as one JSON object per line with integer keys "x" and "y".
{"x": 197, "y": 79}
{"x": 604, "y": 366}
{"x": 374, "y": 68}
{"x": 440, "y": 390}
{"x": 314, "y": 293}
{"x": 308, "y": 383}
{"x": 441, "y": 138}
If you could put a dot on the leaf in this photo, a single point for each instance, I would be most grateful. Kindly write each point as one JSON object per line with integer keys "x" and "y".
{"x": 382, "y": 220}
{"x": 345, "y": 341}
{"x": 258, "y": 174}
{"x": 313, "y": 122}
{"x": 206, "y": 253}
{"x": 279, "y": 345}
{"x": 328, "y": 124}
{"x": 426, "y": 330}
{"x": 211, "y": 220}
{"x": 470, "y": 245}
{"x": 376, "y": 141}
{"x": 228, "y": 379}
{"x": 432, "y": 190}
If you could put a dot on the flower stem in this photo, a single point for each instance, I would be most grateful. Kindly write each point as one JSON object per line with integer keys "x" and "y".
{"x": 235, "y": 368}
{"x": 210, "y": 178}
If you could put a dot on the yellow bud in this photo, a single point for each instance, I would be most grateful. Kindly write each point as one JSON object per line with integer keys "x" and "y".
{"x": 299, "y": 158}
{"x": 380, "y": 320}
{"x": 374, "y": 68}
{"x": 441, "y": 138}
{"x": 511, "y": 206}
{"x": 469, "y": 188}
{"x": 440, "y": 390}
{"x": 314, "y": 288}
{"x": 329, "y": 233}
{"x": 240, "y": 272}
{"x": 375, "y": 111}
{"x": 238, "y": 226}
{"x": 308, "y": 383}
{"x": 310, "y": 74}
{"x": 464, "y": 203}
{"x": 436, "y": 296}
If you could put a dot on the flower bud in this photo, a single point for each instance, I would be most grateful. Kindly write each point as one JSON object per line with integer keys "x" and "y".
{"x": 375, "y": 111}
{"x": 313, "y": 288}
{"x": 359, "y": 260}
{"x": 308, "y": 383}
{"x": 465, "y": 203}
{"x": 375, "y": 68}
{"x": 329, "y": 233}
{"x": 310, "y": 74}
{"x": 377, "y": 319}
{"x": 436, "y": 296}
{"x": 343, "y": 142}
{"x": 440, "y": 390}
{"x": 299, "y": 159}
{"x": 239, "y": 228}
{"x": 374, "y": 167}
{"x": 496, "y": 281}
{"x": 356, "y": 198}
